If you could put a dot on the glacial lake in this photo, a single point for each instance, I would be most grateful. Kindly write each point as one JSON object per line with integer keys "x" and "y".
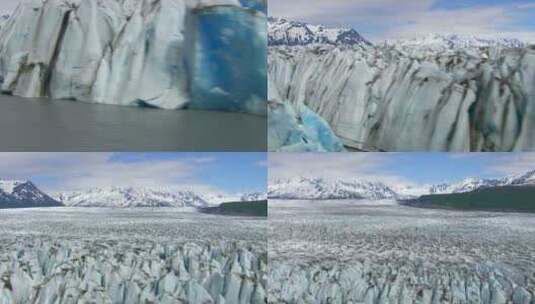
{"x": 63, "y": 126}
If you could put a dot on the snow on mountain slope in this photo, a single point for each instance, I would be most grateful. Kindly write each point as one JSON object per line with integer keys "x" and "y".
{"x": 23, "y": 194}
{"x": 129, "y": 197}
{"x": 474, "y": 183}
{"x": 291, "y": 33}
{"x": 7, "y": 186}
{"x": 460, "y": 96}
{"x": 324, "y": 189}
{"x": 136, "y": 52}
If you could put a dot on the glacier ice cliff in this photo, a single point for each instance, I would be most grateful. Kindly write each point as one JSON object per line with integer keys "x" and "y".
{"x": 298, "y": 129}
{"x": 169, "y": 54}
{"x": 446, "y": 96}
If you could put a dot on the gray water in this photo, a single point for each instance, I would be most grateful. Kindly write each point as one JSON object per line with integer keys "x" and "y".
{"x": 60, "y": 126}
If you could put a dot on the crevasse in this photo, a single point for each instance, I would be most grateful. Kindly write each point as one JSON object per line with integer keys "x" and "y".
{"x": 388, "y": 98}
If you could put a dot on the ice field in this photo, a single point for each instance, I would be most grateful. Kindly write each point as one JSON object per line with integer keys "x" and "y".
{"x": 98, "y": 255}
{"x": 379, "y": 252}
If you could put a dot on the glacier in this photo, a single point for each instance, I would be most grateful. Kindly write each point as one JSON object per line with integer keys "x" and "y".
{"x": 91, "y": 255}
{"x": 328, "y": 252}
{"x": 164, "y": 53}
{"x": 440, "y": 93}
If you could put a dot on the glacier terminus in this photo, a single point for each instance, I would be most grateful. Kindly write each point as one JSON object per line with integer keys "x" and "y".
{"x": 433, "y": 93}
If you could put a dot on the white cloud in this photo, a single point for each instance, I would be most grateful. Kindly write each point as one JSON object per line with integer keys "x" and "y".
{"x": 512, "y": 163}
{"x": 366, "y": 166}
{"x": 392, "y": 19}
{"x": 70, "y": 171}
{"x": 486, "y": 22}
{"x": 262, "y": 163}
{"x": 342, "y": 11}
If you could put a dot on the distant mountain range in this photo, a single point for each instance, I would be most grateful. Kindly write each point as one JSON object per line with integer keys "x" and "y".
{"x": 24, "y": 194}
{"x": 129, "y": 197}
{"x": 283, "y": 32}
{"x": 292, "y": 33}
{"x": 324, "y": 189}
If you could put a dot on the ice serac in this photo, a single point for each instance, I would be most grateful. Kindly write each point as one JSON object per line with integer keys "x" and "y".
{"x": 298, "y": 129}
{"x": 130, "y": 52}
{"x": 132, "y": 271}
{"x": 439, "y": 94}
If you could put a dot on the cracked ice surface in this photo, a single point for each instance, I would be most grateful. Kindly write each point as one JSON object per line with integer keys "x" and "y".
{"x": 72, "y": 255}
{"x": 136, "y": 52}
{"x": 391, "y": 99}
{"x": 355, "y": 252}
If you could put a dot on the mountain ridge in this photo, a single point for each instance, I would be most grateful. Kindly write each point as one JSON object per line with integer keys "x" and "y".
{"x": 292, "y": 33}
{"x": 285, "y": 32}
{"x": 131, "y": 197}
{"x": 324, "y": 189}
{"x": 24, "y": 194}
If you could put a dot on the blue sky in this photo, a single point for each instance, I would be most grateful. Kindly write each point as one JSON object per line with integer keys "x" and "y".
{"x": 391, "y": 19}
{"x": 219, "y": 172}
{"x": 401, "y": 168}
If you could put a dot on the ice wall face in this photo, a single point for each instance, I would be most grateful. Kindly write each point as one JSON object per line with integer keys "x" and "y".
{"x": 414, "y": 97}
{"x": 298, "y": 129}
{"x": 229, "y": 64}
{"x": 133, "y": 52}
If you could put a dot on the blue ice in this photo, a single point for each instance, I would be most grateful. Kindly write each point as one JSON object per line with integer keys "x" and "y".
{"x": 299, "y": 129}
{"x": 229, "y": 60}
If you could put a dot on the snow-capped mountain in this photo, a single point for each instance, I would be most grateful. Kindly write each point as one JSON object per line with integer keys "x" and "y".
{"x": 219, "y": 198}
{"x": 130, "y": 197}
{"x": 292, "y": 33}
{"x": 23, "y": 194}
{"x": 253, "y": 196}
{"x": 323, "y": 189}
{"x": 319, "y": 189}
{"x": 472, "y": 184}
